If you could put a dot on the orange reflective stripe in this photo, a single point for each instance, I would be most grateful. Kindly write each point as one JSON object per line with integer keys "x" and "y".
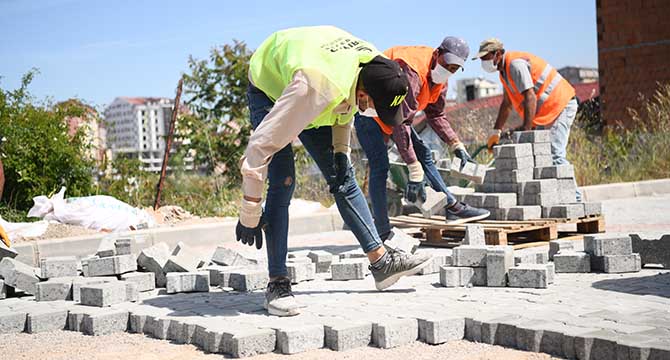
{"x": 388, "y": 130}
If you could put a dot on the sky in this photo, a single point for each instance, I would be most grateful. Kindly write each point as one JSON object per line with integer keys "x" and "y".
{"x": 98, "y": 50}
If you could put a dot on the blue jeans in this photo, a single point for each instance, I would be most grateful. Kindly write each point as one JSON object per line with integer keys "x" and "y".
{"x": 560, "y": 134}
{"x": 281, "y": 174}
{"x": 371, "y": 138}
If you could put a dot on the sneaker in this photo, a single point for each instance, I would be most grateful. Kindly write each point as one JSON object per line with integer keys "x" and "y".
{"x": 279, "y": 299}
{"x": 462, "y": 213}
{"x": 396, "y": 264}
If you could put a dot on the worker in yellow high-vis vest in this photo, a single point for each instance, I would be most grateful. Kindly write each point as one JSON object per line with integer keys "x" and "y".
{"x": 536, "y": 91}
{"x": 307, "y": 83}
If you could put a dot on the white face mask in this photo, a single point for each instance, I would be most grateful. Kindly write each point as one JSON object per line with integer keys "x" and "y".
{"x": 369, "y": 112}
{"x": 488, "y": 66}
{"x": 440, "y": 75}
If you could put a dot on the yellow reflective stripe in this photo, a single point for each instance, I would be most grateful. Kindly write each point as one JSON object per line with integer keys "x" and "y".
{"x": 398, "y": 100}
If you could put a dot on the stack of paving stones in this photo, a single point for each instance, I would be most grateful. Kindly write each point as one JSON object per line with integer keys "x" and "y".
{"x": 526, "y": 185}
{"x": 654, "y": 249}
{"x": 606, "y": 253}
{"x": 476, "y": 264}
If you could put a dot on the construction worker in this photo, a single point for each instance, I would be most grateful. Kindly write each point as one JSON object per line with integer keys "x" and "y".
{"x": 428, "y": 71}
{"x": 307, "y": 83}
{"x": 538, "y": 93}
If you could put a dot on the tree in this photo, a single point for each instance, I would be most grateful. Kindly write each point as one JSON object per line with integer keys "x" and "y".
{"x": 218, "y": 128}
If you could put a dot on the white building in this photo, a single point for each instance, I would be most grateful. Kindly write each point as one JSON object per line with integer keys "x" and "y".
{"x": 136, "y": 128}
{"x": 578, "y": 74}
{"x": 476, "y": 88}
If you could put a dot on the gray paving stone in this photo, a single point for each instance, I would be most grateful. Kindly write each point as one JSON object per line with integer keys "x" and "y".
{"x": 343, "y": 335}
{"x": 470, "y": 255}
{"x": 153, "y": 259}
{"x": 353, "y": 254}
{"x": 608, "y": 244}
{"x": 541, "y": 199}
{"x": 532, "y": 136}
{"x": 112, "y": 265}
{"x": 514, "y": 176}
{"x": 390, "y": 333}
{"x": 400, "y": 240}
{"x": 46, "y": 319}
{"x": 478, "y": 276}
{"x": 515, "y": 163}
{"x": 7, "y": 252}
{"x": 568, "y": 197}
{"x": 250, "y": 342}
{"x": 224, "y": 274}
{"x": 56, "y": 267}
{"x": 512, "y": 151}
{"x": 183, "y": 259}
{"x": 565, "y": 211}
{"x": 132, "y": 292}
{"x": 498, "y": 331}
{"x": 136, "y": 323}
{"x": 19, "y": 275}
{"x": 297, "y": 339}
{"x": 248, "y": 279}
{"x": 435, "y": 202}
{"x": 555, "y": 172}
{"x": 109, "y": 321}
{"x": 572, "y": 262}
{"x": 3, "y": 290}
{"x": 215, "y": 277}
{"x": 500, "y": 200}
{"x": 654, "y": 249}
{"x": 157, "y": 326}
{"x": 440, "y": 329}
{"x": 499, "y": 259}
{"x": 54, "y": 289}
{"x": 475, "y": 199}
{"x": 504, "y": 188}
{"x": 555, "y": 246}
{"x": 616, "y": 264}
{"x": 451, "y": 276}
{"x": 348, "y": 269}
{"x": 543, "y": 160}
{"x": 593, "y": 208}
{"x": 541, "y": 258}
{"x": 299, "y": 272}
{"x": 228, "y": 257}
{"x": 597, "y": 345}
{"x": 474, "y": 235}
{"x": 106, "y": 247}
{"x": 534, "y": 187}
{"x": 551, "y": 272}
{"x": 103, "y": 295}
{"x": 473, "y": 329}
{"x": 497, "y": 214}
{"x": 12, "y": 322}
{"x": 529, "y": 336}
{"x": 543, "y": 148}
{"x": 123, "y": 246}
{"x": 179, "y": 282}
{"x": 145, "y": 281}
{"x": 435, "y": 264}
{"x": 78, "y": 282}
{"x": 322, "y": 259}
{"x": 521, "y": 213}
{"x": 528, "y": 276}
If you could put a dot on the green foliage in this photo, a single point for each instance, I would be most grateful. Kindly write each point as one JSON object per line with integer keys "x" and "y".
{"x": 38, "y": 155}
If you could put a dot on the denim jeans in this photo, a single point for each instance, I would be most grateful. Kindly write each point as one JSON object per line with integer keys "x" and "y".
{"x": 560, "y": 133}
{"x": 371, "y": 138}
{"x": 281, "y": 183}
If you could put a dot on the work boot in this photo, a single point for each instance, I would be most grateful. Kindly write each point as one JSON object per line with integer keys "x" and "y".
{"x": 395, "y": 264}
{"x": 462, "y": 213}
{"x": 279, "y": 299}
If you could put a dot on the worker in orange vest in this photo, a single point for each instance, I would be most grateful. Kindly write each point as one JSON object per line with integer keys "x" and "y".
{"x": 428, "y": 70}
{"x": 538, "y": 93}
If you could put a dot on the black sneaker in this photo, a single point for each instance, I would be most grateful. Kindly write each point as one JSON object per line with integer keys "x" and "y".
{"x": 396, "y": 264}
{"x": 462, "y": 213}
{"x": 279, "y": 299}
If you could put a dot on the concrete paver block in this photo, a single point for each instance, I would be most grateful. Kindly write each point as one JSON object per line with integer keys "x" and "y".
{"x": 497, "y": 214}
{"x": 474, "y": 235}
{"x": 435, "y": 202}
{"x": 538, "y": 186}
{"x": 299, "y": 272}
{"x": 451, "y": 276}
{"x": 78, "y": 282}
{"x": 528, "y": 276}
{"x": 470, "y": 255}
{"x": 215, "y": 276}
{"x": 390, "y": 333}
{"x": 565, "y": 211}
{"x": 106, "y": 247}
{"x": 54, "y": 289}
{"x": 187, "y": 282}
{"x": 353, "y": 254}
{"x": 123, "y": 246}
{"x": 55, "y": 267}
{"x": 520, "y": 213}
{"x": 542, "y": 199}
{"x": 46, "y": 319}
{"x": 593, "y": 208}
{"x": 543, "y": 160}
{"x": 322, "y": 259}
{"x": 112, "y": 265}
{"x": 224, "y": 275}
{"x": 6, "y": 252}
{"x": 400, "y": 240}
{"x": 109, "y": 321}
{"x": 652, "y": 249}
{"x": 532, "y": 136}
{"x": 512, "y": 151}
{"x": 475, "y": 199}
{"x": 504, "y": 188}
{"x": 297, "y": 339}
{"x": 515, "y": 163}
{"x": 479, "y": 276}
{"x": 435, "y": 264}
{"x": 154, "y": 259}
{"x": 12, "y": 322}
{"x": 103, "y": 295}
{"x": 132, "y": 292}
{"x": 555, "y": 172}
{"x": 542, "y": 149}
{"x": 499, "y": 259}
{"x": 551, "y": 272}
{"x": 473, "y": 329}
{"x": 145, "y": 281}
{"x": 556, "y": 246}
{"x": 248, "y": 279}
{"x": 529, "y": 337}
{"x": 225, "y": 256}
{"x": 500, "y": 200}
{"x": 250, "y": 342}
{"x": 3, "y": 290}
{"x": 607, "y": 244}
{"x": 348, "y": 269}
{"x": 136, "y": 323}
{"x": 183, "y": 259}
{"x": 572, "y": 262}
{"x": 19, "y": 275}
{"x": 439, "y": 330}
{"x": 568, "y": 197}
{"x": 616, "y": 264}
{"x": 514, "y": 176}
{"x": 343, "y": 335}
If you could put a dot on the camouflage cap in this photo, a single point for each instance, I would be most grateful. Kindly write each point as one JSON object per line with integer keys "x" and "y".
{"x": 487, "y": 46}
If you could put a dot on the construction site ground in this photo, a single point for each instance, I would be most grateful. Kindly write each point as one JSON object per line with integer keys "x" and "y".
{"x": 618, "y": 304}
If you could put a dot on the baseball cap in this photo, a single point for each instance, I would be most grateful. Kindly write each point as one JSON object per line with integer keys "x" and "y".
{"x": 387, "y": 85}
{"x": 487, "y": 46}
{"x": 455, "y": 50}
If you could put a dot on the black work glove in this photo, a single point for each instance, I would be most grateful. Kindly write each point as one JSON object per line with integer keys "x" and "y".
{"x": 464, "y": 156}
{"x": 251, "y": 236}
{"x": 415, "y": 191}
{"x": 342, "y": 171}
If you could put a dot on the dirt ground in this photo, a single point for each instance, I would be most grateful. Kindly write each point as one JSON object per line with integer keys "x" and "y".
{"x": 68, "y": 345}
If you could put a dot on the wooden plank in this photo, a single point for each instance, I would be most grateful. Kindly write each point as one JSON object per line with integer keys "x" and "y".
{"x": 592, "y": 227}
{"x": 433, "y": 235}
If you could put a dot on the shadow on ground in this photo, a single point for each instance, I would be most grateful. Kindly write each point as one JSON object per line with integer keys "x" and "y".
{"x": 657, "y": 285}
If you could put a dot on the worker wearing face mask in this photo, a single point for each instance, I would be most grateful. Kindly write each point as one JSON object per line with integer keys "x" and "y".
{"x": 428, "y": 70}
{"x": 536, "y": 91}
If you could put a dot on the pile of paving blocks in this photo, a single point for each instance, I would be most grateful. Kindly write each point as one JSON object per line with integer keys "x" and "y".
{"x": 654, "y": 249}
{"x": 526, "y": 185}
{"x": 605, "y": 253}
{"x": 476, "y": 264}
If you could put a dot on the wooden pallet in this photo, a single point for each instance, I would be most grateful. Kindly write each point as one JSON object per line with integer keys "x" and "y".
{"x": 436, "y": 232}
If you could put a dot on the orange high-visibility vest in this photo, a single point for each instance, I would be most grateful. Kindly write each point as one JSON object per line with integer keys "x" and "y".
{"x": 552, "y": 90}
{"x": 418, "y": 59}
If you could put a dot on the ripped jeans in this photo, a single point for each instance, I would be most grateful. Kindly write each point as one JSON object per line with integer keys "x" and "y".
{"x": 281, "y": 182}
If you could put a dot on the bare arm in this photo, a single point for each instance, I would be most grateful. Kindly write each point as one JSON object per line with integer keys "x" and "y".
{"x": 529, "y": 108}
{"x": 503, "y": 112}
